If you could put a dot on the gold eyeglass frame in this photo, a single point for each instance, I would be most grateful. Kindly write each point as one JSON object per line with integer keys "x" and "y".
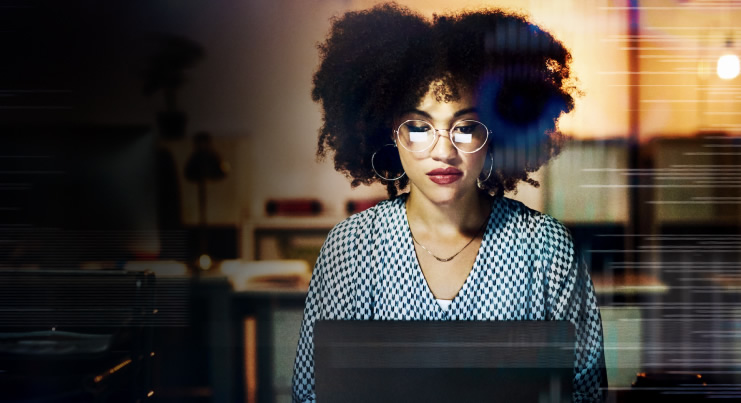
{"x": 438, "y": 135}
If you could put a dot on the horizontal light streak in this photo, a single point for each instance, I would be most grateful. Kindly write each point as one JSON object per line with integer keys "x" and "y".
{"x": 687, "y": 60}
{"x": 694, "y": 48}
{"x": 695, "y": 28}
{"x": 683, "y": 175}
{"x": 658, "y": 186}
{"x": 709, "y": 153}
{"x": 50, "y": 172}
{"x": 691, "y": 238}
{"x": 693, "y": 57}
{"x": 708, "y": 87}
{"x": 704, "y": 352}
{"x": 697, "y": 177}
{"x": 691, "y": 202}
{"x": 706, "y": 271}
{"x": 700, "y": 175}
{"x": 723, "y": 7}
{"x": 724, "y": 290}
{"x": 660, "y": 249}
{"x": 33, "y": 91}
{"x": 674, "y": 109}
{"x": 35, "y": 107}
{"x": 614, "y": 73}
{"x": 658, "y": 306}
{"x": 664, "y": 38}
{"x": 683, "y": 236}
{"x": 686, "y": 171}
{"x": 718, "y": 181}
{"x": 670, "y": 320}
{"x": 684, "y": 101}
{"x": 705, "y": 165}
{"x": 669, "y": 247}
{"x": 674, "y": 305}
{"x": 662, "y": 110}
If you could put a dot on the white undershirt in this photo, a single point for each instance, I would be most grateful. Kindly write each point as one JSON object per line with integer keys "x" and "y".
{"x": 444, "y": 303}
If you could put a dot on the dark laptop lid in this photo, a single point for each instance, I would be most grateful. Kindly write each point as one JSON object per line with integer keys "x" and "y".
{"x": 359, "y": 361}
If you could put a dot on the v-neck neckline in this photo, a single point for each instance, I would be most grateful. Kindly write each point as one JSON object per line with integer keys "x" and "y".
{"x": 418, "y": 268}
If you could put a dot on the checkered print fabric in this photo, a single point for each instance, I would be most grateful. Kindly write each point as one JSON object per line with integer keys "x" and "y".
{"x": 526, "y": 269}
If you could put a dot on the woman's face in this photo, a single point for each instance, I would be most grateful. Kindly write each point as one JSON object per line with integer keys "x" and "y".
{"x": 443, "y": 174}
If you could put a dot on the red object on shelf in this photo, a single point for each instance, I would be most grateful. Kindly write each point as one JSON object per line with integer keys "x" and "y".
{"x": 356, "y": 206}
{"x": 293, "y": 207}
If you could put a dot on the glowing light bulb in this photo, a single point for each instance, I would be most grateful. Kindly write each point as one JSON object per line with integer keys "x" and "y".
{"x": 204, "y": 262}
{"x": 728, "y": 67}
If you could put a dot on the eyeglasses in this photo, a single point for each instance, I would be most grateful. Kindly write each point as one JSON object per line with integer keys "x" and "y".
{"x": 468, "y": 136}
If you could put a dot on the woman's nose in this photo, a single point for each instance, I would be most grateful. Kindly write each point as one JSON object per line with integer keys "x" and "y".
{"x": 443, "y": 148}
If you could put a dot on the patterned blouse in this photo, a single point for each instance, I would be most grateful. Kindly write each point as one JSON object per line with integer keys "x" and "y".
{"x": 526, "y": 269}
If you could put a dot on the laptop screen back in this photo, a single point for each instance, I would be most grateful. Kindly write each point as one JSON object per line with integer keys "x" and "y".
{"x": 461, "y": 361}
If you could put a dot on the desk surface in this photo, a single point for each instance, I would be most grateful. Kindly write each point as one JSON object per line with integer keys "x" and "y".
{"x": 632, "y": 284}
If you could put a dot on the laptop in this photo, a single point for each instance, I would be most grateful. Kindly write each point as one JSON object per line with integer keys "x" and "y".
{"x": 443, "y": 361}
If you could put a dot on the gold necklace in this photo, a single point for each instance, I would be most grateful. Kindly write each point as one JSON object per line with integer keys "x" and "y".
{"x": 440, "y": 259}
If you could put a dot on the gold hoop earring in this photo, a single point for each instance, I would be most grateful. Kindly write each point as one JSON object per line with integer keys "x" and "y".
{"x": 480, "y": 182}
{"x": 373, "y": 164}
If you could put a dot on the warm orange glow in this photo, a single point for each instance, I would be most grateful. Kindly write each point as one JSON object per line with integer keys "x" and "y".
{"x": 119, "y": 366}
{"x": 250, "y": 359}
{"x": 99, "y": 378}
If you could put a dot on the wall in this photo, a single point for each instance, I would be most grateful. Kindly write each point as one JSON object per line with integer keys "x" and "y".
{"x": 256, "y": 82}
{"x": 252, "y": 89}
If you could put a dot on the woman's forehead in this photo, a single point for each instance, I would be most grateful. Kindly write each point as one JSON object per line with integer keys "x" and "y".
{"x": 439, "y": 108}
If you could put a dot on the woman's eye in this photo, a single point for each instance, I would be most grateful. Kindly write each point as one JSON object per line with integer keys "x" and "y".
{"x": 418, "y": 129}
{"x": 468, "y": 129}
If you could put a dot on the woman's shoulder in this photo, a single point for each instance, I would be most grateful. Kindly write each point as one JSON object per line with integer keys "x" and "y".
{"x": 539, "y": 225}
{"x": 551, "y": 239}
{"x": 343, "y": 257}
{"x": 369, "y": 221}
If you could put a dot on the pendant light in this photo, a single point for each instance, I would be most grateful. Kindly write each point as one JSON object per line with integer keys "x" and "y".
{"x": 728, "y": 65}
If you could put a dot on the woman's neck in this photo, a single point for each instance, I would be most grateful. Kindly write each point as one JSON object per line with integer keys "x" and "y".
{"x": 462, "y": 217}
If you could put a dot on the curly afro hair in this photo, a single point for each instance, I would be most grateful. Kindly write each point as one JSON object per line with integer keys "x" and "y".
{"x": 378, "y": 62}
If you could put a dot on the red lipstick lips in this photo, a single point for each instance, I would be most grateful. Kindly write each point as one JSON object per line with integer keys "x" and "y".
{"x": 444, "y": 176}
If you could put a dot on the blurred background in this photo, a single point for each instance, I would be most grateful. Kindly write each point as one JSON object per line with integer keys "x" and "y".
{"x": 161, "y": 204}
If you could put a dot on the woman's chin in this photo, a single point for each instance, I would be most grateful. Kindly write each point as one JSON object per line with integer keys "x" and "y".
{"x": 447, "y": 196}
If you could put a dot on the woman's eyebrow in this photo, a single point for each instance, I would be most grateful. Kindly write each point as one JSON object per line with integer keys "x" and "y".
{"x": 465, "y": 112}
{"x": 417, "y": 112}
{"x": 455, "y": 115}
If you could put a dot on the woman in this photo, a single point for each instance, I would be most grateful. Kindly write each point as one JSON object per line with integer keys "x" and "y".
{"x": 457, "y": 110}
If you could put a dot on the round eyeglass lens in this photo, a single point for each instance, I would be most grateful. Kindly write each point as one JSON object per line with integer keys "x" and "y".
{"x": 469, "y": 135}
{"x": 416, "y": 135}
